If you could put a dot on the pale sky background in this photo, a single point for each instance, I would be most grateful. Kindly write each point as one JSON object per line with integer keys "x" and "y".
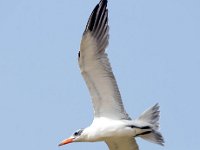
{"x": 155, "y": 55}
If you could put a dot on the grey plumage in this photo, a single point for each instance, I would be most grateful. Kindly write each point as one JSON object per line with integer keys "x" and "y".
{"x": 95, "y": 66}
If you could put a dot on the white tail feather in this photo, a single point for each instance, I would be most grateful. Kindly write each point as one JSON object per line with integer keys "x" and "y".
{"x": 151, "y": 116}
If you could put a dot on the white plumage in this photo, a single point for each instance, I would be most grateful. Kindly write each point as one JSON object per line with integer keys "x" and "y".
{"x": 111, "y": 122}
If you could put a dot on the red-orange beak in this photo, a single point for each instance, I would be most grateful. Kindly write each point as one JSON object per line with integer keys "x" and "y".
{"x": 66, "y": 141}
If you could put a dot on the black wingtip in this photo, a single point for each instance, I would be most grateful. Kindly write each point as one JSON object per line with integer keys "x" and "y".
{"x": 94, "y": 17}
{"x": 91, "y": 21}
{"x": 104, "y": 2}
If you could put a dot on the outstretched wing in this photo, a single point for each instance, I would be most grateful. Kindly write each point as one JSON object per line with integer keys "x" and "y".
{"x": 95, "y": 66}
{"x": 122, "y": 144}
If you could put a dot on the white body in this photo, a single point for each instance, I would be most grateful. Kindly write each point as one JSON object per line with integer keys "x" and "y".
{"x": 111, "y": 122}
{"x": 104, "y": 128}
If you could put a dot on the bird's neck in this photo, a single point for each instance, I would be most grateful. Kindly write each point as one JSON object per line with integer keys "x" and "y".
{"x": 99, "y": 130}
{"x": 91, "y": 134}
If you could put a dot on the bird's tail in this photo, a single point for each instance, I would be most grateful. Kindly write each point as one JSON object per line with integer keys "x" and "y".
{"x": 151, "y": 117}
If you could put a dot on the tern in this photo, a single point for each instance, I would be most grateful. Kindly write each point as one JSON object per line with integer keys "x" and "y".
{"x": 111, "y": 122}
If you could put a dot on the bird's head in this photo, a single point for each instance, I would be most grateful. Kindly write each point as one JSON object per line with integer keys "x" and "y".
{"x": 78, "y": 136}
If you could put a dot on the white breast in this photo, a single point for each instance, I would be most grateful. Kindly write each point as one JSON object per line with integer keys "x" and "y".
{"x": 104, "y": 128}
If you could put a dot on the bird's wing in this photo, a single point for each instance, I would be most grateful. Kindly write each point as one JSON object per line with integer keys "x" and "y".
{"x": 96, "y": 69}
{"x": 122, "y": 144}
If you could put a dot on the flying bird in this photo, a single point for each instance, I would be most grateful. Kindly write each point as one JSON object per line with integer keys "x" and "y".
{"x": 111, "y": 122}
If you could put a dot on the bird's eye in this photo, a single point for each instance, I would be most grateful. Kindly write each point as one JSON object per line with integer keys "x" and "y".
{"x": 76, "y": 133}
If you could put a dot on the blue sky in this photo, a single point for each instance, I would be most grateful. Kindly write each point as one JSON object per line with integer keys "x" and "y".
{"x": 155, "y": 55}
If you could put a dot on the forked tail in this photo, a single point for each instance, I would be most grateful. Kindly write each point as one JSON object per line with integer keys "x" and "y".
{"x": 151, "y": 116}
